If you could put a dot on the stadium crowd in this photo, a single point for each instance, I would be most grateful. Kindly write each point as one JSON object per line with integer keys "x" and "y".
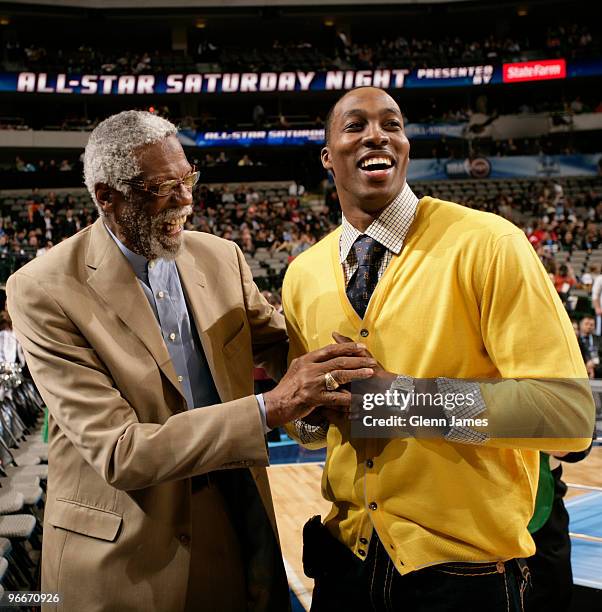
{"x": 573, "y": 41}
{"x": 240, "y": 214}
{"x": 343, "y": 51}
{"x": 208, "y": 160}
{"x": 555, "y": 223}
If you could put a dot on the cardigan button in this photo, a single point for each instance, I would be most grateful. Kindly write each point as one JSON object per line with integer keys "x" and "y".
{"x": 364, "y": 332}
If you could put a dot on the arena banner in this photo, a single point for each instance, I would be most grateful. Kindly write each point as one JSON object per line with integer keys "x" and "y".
{"x": 299, "y": 137}
{"x": 252, "y": 138}
{"x": 526, "y": 166}
{"x": 332, "y": 80}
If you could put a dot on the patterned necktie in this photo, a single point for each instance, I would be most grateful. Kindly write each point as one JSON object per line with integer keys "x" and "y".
{"x": 369, "y": 254}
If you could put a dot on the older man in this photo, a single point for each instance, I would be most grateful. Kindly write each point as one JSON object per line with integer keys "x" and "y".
{"x": 141, "y": 338}
{"x": 436, "y": 290}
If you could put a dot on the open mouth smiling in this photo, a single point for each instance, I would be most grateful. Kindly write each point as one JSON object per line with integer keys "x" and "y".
{"x": 174, "y": 226}
{"x": 377, "y": 166}
{"x": 375, "y": 163}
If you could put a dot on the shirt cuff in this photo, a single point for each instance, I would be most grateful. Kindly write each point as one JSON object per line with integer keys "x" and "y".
{"x": 264, "y": 418}
{"x": 307, "y": 433}
{"x": 458, "y": 432}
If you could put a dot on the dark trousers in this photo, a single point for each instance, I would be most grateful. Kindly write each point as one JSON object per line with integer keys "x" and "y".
{"x": 374, "y": 585}
{"x": 550, "y": 567}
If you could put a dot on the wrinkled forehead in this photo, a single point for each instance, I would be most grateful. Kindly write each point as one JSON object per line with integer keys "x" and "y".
{"x": 160, "y": 158}
{"x": 366, "y": 100}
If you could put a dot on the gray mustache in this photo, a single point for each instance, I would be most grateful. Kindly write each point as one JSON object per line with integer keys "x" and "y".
{"x": 173, "y": 213}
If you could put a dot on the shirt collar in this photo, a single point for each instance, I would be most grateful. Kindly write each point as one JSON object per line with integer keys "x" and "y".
{"x": 138, "y": 262}
{"x": 390, "y": 228}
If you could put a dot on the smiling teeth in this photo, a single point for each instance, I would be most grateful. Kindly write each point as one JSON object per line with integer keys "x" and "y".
{"x": 176, "y": 222}
{"x": 373, "y": 161}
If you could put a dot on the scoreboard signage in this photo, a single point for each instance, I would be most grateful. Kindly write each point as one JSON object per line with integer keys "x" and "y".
{"x": 207, "y": 83}
{"x": 291, "y": 81}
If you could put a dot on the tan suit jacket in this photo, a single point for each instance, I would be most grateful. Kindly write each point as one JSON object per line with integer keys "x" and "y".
{"x": 123, "y": 446}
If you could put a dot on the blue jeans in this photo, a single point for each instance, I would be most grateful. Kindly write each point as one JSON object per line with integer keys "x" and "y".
{"x": 374, "y": 585}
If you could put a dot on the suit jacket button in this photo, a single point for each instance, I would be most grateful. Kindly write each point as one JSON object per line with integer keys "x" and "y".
{"x": 184, "y": 539}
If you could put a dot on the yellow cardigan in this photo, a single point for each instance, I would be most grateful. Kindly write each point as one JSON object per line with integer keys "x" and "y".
{"x": 467, "y": 297}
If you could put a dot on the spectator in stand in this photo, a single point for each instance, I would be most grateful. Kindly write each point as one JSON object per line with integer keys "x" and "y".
{"x": 48, "y": 223}
{"x": 246, "y": 241}
{"x": 568, "y": 242}
{"x": 258, "y": 116}
{"x": 69, "y": 225}
{"x": 227, "y": 195}
{"x": 10, "y": 349}
{"x": 222, "y": 159}
{"x": 587, "y": 279}
{"x": 4, "y": 246}
{"x": 564, "y": 281}
{"x": 592, "y": 342}
{"x": 245, "y": 160}
{"x": 43, "y": 250}
{"x": 587, "y": 358}
{"x": 305, "y": 241}
{"x": 577, "y": 105}
{"x": 597, "y": 303}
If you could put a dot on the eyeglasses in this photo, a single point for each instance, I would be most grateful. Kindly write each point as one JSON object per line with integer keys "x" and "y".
{"x": 166, "y": 187}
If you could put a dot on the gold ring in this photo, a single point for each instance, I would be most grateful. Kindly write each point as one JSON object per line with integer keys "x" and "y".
{"x": 331, "y": 383}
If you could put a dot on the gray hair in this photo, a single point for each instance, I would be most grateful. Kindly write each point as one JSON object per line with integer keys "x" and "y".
{"x": 110, "y": 155}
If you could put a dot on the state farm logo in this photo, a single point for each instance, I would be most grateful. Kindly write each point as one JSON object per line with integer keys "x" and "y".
{"x": 534, "y": 71}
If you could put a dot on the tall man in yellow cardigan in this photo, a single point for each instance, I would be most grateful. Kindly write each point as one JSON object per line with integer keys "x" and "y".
{"x": 440, "y": 292}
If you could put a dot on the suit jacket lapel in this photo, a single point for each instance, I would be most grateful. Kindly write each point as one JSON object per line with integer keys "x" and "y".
{"x": 113, "y": 279}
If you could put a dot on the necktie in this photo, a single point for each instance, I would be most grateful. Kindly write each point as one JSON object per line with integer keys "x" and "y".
{"x": 369, "y": 254}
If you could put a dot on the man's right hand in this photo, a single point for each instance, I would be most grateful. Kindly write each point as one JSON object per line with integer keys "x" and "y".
{"x": 303, "y": 386}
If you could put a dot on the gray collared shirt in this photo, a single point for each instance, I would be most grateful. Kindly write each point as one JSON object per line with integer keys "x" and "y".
{"x": 160, "y": 281}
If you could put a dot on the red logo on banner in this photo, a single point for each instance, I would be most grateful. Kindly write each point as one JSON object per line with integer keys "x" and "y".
{"x": 539, "y": 70}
